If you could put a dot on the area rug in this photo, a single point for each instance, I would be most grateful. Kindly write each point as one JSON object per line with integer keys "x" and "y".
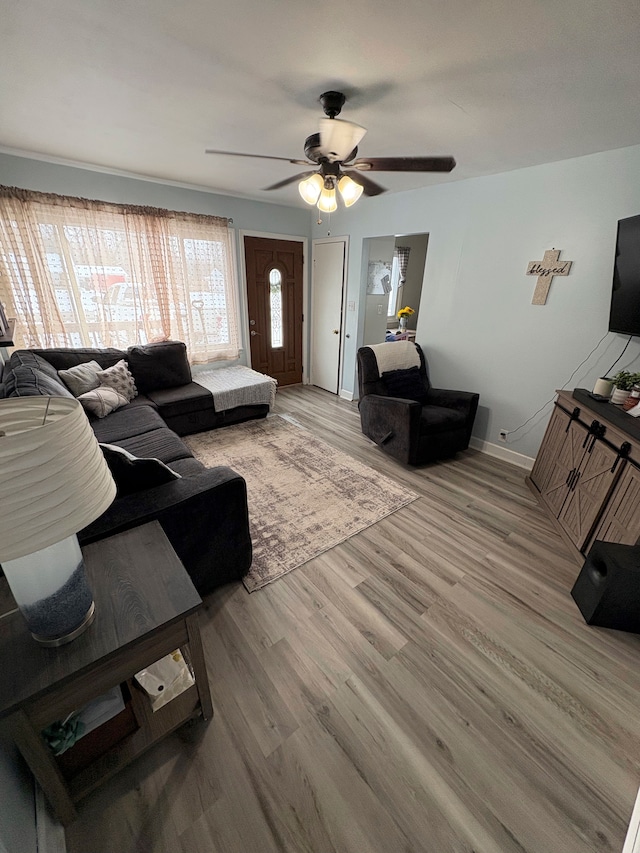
{"x": 305, "y": 497}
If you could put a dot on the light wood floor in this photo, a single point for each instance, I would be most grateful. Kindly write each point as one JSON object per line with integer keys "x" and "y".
{"x": 429, "y": 685}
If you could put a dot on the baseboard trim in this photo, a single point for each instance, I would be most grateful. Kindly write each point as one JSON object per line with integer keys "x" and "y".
{"x": 50, "y": 836}
{"x": 503, "y": 453}
{"x": 346, "y": 395}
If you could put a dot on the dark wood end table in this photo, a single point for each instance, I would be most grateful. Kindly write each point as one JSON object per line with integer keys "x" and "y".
{"x": 146, "y": 607}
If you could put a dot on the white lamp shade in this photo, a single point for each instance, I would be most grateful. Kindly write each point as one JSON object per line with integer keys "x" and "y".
{"x": 338, "y": 138}
{"x": 311, "y": 188}
{"x": 53, "y": 477}
{"x": 327, "y": 202}
{"x": 349, "y": 190}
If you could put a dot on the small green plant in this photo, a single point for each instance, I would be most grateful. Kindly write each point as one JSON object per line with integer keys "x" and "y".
{"x": 625, "y": 380}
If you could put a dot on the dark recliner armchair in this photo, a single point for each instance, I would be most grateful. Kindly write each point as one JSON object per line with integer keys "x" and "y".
{"x": 403, "y": 414}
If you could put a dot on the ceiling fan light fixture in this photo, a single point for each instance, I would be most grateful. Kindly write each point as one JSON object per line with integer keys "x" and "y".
{"x": 349, "y": 190}
{"x": 327, "y": 202}
{"x": 311, "y": 188}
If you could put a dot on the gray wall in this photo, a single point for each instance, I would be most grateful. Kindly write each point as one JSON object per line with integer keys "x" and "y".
{"x": 376, "y": 304}
{"x": 476, "y": 322}
{"x": 247, "y": 215}
{"x": 70, "y": 180}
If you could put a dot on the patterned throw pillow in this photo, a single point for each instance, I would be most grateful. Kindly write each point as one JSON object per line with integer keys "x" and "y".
{"x": 120, "y": 378}
{"x": 81, "y": 378}
{"x": 102, "y": 401}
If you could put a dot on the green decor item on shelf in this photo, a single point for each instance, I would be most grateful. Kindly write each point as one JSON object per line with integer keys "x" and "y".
{"x": 61, "y": 735}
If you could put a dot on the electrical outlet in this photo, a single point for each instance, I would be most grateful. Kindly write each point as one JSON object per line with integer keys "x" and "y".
{"x": 503, "y": 434}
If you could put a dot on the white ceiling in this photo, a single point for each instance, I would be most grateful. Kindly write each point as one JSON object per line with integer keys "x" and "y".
{"x": 145, "y": 87}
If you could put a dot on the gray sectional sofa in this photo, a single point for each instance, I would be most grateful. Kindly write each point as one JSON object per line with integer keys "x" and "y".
{"x": 204, "y": 513}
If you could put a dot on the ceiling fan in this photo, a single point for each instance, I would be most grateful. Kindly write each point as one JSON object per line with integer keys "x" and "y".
{"x": 334, "y": 150}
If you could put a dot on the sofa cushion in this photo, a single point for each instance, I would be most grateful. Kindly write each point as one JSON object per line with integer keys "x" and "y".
{"x": 133, "y": 473}
{"x": 61, "y": 358}
{"x": 120, "y": 379}
{"x": 187, "y": 467}
{"x": 408, "y": 384}
{"x": 182, "y": 400}
{"x": 159, "y": 365}
{"x": 81, "y": 378}
{"x": 28, "y": 381}
{"x": 129, "y": 421}
{"x": 161, "y": 443}
{"x": 142, "y": 400}
{"x": 102, "y": 401}
{"x": 435, "y": 419}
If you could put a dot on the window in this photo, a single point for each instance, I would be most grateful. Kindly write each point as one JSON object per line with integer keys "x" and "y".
{"x": 83, "y": 273}
{"x": 398, "y": 278}
{"x": 275, "y": 307}
{"x": 395, "y": 282}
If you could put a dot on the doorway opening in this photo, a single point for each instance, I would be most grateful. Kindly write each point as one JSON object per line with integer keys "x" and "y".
{"x": 394, "y": 269}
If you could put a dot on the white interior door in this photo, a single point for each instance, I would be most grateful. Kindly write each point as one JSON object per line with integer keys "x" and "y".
{"x": 327, "y": 293}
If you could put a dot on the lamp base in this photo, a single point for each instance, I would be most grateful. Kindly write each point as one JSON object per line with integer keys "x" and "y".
{"x": 67, "y": 638}
{"x": 51, "y": 589}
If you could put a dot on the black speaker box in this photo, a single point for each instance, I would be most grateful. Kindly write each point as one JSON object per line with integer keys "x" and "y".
{"x": 607, "y": 590}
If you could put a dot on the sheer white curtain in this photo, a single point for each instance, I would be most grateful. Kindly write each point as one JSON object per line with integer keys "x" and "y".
{"x": 398, "y": 278}
{"x": 76, "y": 272}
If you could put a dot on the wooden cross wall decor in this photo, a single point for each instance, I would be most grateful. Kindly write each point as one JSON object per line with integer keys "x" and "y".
{"x": 545, "y": 269}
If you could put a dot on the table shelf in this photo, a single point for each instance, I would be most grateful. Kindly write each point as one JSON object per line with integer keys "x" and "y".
{"x": 165, "y": 720}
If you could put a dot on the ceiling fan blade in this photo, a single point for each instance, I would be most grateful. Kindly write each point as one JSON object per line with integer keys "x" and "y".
{"x": 404, "y": 164}
{"x": 260, "y": 157}
{"x": 338, "y": 138}
{"x": 286, "y": 181}
{"x": 369, "y": 187}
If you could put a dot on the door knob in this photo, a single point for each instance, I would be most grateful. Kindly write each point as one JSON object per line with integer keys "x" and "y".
{"x": 252, "y": 322}
{"x": 336, "y": 331}
{"x": 253, "y": 334}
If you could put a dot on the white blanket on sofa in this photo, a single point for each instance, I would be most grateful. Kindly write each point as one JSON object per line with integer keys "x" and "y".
{"x": 237, "y": 386}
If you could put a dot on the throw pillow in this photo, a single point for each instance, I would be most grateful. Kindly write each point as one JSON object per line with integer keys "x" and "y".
{"x": 407, "y": 384}
{"x": 27, "y": 358}
{"x": 120, "y": 378}
{"x": 26, "y": 381}
{"x": 102, "y": 401}
{"x": 81, "y": 378}
{"x": 160, "y": 365}
{"x": 133, "y": 474}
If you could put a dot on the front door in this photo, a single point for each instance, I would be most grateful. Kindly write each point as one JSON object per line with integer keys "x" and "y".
{"x": 274, "y": 298}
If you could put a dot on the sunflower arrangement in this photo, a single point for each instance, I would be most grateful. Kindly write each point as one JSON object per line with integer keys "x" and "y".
{"x": 405, "y": 312}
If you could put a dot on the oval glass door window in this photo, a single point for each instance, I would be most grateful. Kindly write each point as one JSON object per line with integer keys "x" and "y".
{"x": 275, "y": 307}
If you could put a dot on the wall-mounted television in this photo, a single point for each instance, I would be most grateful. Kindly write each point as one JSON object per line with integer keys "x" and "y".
{"x": 624, "y": 316}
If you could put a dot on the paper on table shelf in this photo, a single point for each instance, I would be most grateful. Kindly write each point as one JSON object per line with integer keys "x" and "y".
{"x": 99, "y": 710}
{"x": 165, "y": 679}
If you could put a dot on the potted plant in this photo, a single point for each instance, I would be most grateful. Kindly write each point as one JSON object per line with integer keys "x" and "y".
{"x": 623, "y": 382}
{"x": 403, "y": 315}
